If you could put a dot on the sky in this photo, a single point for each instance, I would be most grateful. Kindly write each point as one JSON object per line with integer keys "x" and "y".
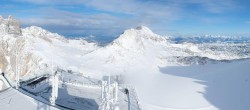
{"x": 109, "y": 18}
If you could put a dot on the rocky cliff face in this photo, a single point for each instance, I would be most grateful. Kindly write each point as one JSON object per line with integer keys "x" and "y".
{"x": 14, "y": 55}
{"x": 10, "y": 26}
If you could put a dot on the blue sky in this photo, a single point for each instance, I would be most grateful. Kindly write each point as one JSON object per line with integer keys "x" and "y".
{"x": 108, "y": 18}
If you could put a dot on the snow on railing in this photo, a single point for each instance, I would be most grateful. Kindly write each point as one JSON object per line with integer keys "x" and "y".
{"x": 109, "y": 95}
{"x": 54, "y": 91}
{"x": 36, "y": 74}
{"x": 80, "y": 84}
{"x": 132, "y": 95}
{"x": 137, "y": 99}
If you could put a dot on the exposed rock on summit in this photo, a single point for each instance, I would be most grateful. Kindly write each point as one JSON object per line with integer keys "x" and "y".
{"x": 10, "y": 26}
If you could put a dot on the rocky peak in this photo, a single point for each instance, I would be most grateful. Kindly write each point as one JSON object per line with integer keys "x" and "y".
{"x": 10, "y": 26}
{"x": 140, "y": 30}
{"x": 137, "y": 37}
{"x": 144, "y": 29}
{"x": 42, "y": 33}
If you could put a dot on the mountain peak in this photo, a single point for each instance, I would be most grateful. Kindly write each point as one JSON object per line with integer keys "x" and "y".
{"x": 144, "y": 29}
{"x": 10, "y": 26}
{"x": 38, "y": 31}
{"x": 137, "y": 38}
{"x": 43, "y": 33}
{"x": 141, "y": 32}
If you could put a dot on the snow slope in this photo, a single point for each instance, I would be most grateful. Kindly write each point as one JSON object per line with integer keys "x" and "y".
{"x": 223, "y": 86}
{"x": 140, "y": 47}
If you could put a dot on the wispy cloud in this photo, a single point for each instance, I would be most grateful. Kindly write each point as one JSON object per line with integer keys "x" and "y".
{"x": 215, "y": 6}
{"x": 65, "y": 22}
{"x": 111, "y": 17}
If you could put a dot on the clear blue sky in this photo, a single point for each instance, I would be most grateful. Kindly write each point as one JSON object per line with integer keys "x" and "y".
{"x": 110, "y": 17}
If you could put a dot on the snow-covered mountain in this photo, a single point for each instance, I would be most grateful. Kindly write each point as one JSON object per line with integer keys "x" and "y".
{"x": 139, "y": 54}
{"x": 38, "y": 49}
{"x": 35, "y": 49}
{"x": 142, "y": 46}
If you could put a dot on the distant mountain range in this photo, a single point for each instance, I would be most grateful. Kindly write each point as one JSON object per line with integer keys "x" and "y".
{"x": 211, "y": 39}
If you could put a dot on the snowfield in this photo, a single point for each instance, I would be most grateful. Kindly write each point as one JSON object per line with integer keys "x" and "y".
{"x": 166, "y": 75}
{"x": 222, "y": 86}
